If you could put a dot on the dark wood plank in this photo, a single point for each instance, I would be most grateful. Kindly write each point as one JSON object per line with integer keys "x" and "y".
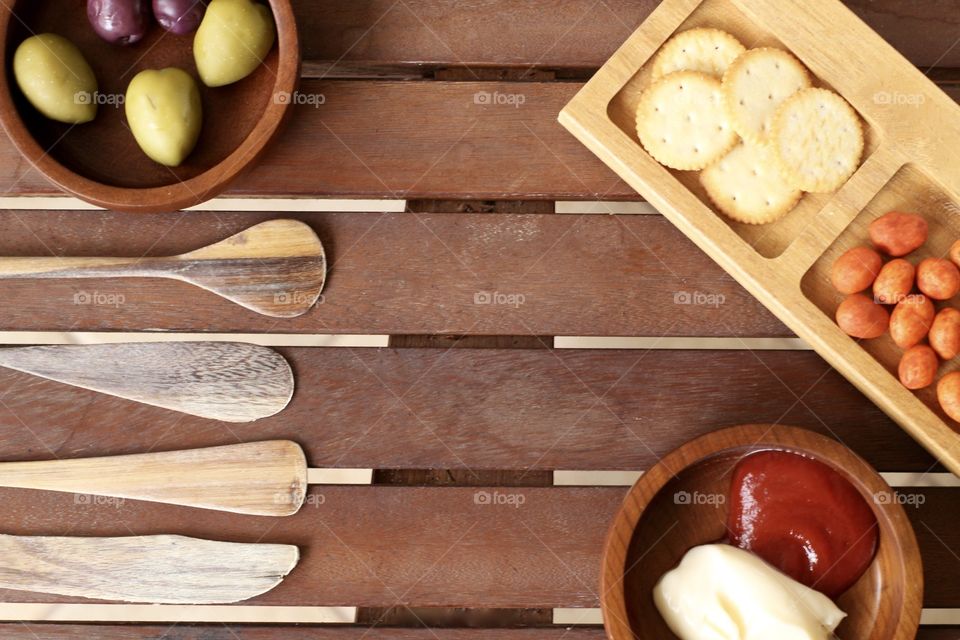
{"x": 37, "y": 631}
{"x": 399, "y": 274}
{"x": 552, "y": 34}
{"x": 412, "y": 140}
{"x": 385, "y": 546}
{"x": 480, "y": 409}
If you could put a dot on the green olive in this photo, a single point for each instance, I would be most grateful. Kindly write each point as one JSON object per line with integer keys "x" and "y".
{"x": 56, "y": 79}
{"x": 164, "y": 112}
{"x": 233, "y": 39}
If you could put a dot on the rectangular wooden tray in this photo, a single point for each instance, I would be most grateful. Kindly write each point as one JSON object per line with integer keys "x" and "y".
{"x": 911, "y": 162}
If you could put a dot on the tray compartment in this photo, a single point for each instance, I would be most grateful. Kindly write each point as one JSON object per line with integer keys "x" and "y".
{"x": 912, "y": 190}
{"x": 769, "y": 240}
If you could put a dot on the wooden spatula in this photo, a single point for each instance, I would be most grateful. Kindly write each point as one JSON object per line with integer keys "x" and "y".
{"x": 276, "y": 268}
{"x": 229, "y": 381}
{"x": 258, "y": 478}
{"x": 152, "y": 569}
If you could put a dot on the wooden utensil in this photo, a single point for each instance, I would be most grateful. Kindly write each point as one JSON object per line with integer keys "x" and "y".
{"x": 100, "y": 161}
{"x": 910, "y": 127}
{"x": 653, "y": 530}
{"x": 257, "y": 478}
{"x": 161, "y": 569}
{"x": 276, "y": 268}
{"x": 229, "y": 381}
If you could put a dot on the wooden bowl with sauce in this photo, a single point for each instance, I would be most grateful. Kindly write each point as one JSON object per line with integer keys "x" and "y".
{"x": 100, "y": 161}
{"x": 654, "y": 529}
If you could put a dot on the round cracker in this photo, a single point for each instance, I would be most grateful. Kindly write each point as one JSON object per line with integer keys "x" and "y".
{"x": 681, "y": 121}
{"x": 817, "y": 140}
{"x": 705, "y": 50}
{"x": 755, "y": 85}
{"x": 747, "y": 186}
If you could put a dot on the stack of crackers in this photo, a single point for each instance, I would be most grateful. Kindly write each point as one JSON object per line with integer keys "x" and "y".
{"x": 750, "y": 121}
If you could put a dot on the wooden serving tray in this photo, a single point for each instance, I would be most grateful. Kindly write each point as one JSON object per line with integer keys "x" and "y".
{"x": 911, "y": 162}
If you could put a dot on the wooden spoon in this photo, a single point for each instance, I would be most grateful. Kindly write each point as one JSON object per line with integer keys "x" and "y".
{"x": 276, "y": 268}
{"x": 229, "y": 381}
{"x": 153, "y": 569}
{"x": 258, "y": 478}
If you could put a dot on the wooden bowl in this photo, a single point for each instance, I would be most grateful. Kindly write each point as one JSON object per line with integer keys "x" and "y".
{"x": 100, "y": 161}
{"x": 652, "y": 532}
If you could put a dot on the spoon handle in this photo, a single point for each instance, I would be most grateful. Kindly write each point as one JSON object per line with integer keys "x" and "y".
{"x": 80, "y": 267}
{"x": 258, "y": 478}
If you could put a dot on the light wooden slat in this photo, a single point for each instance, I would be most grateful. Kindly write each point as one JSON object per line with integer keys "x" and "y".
{"x": 480, "y": 409}
{"x": 181, "y": 632}
{"x": 408, "y": 140}
{"x": 380, "y": 546}
{"x": 517, "y": 274}
{"x": 552, "y": 34}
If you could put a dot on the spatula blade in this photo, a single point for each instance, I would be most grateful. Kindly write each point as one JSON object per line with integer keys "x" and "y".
{"x": 276, "y": 268}
{"x": 164, "y": 569}
{"x": 229, "y": 381}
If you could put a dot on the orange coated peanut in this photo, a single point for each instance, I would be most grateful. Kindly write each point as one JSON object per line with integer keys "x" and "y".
{"x": 897, "y": 233}
{"x": 938, "y": 278}
{"x": 945, "y": 333}
{"x": 894, "y": 282}
{"x": 861, "y": 317}
{"x": 855, "y": 270}
{"x": 918, "y": 367}
{"x": 911, "y": 320}
{"x": 948, "y": 393}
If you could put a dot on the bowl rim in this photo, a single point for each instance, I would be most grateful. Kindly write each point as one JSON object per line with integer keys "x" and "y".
{"x": 181, "y": 193}
{"x": 757, "y": 437}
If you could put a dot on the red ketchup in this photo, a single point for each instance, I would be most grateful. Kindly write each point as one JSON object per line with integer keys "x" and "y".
{"x": 802, "y": 517}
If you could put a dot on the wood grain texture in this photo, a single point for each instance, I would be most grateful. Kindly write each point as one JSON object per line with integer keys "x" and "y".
{"x": 38, "y": 631}
{"x": 160, "y": 569}
{"x": 276, "y": 268}
{"x": 538, "y": 32}
{"x": 256, "y": 478}
{"x": 233, "y": 382}
{"x": 382, "y": 546}
{"x": 912, "y": 168}
{"x": 480, "y": 409}
{"x": 411, "y": 140}
{"x": 398, "y": 274}
{"x": 652, "y": 532}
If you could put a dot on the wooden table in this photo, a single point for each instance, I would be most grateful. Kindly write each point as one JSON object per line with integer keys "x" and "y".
{"x": 450, "y": 106}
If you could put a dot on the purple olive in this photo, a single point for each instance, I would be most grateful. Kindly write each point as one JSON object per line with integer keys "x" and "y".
{"x": 119, "y": 21}
{"x": 179, "y": 16}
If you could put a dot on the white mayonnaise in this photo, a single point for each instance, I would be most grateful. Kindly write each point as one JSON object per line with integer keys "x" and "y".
{"x": 720, "y": 592}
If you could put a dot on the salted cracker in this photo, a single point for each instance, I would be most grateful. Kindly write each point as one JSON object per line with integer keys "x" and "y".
{"x": 817, "y": 140}
{"x": 747, "y": 186}
{"x": 755, "y": 85}
{"x": 705, "y": 50}
{"x": 681, "y": 121}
